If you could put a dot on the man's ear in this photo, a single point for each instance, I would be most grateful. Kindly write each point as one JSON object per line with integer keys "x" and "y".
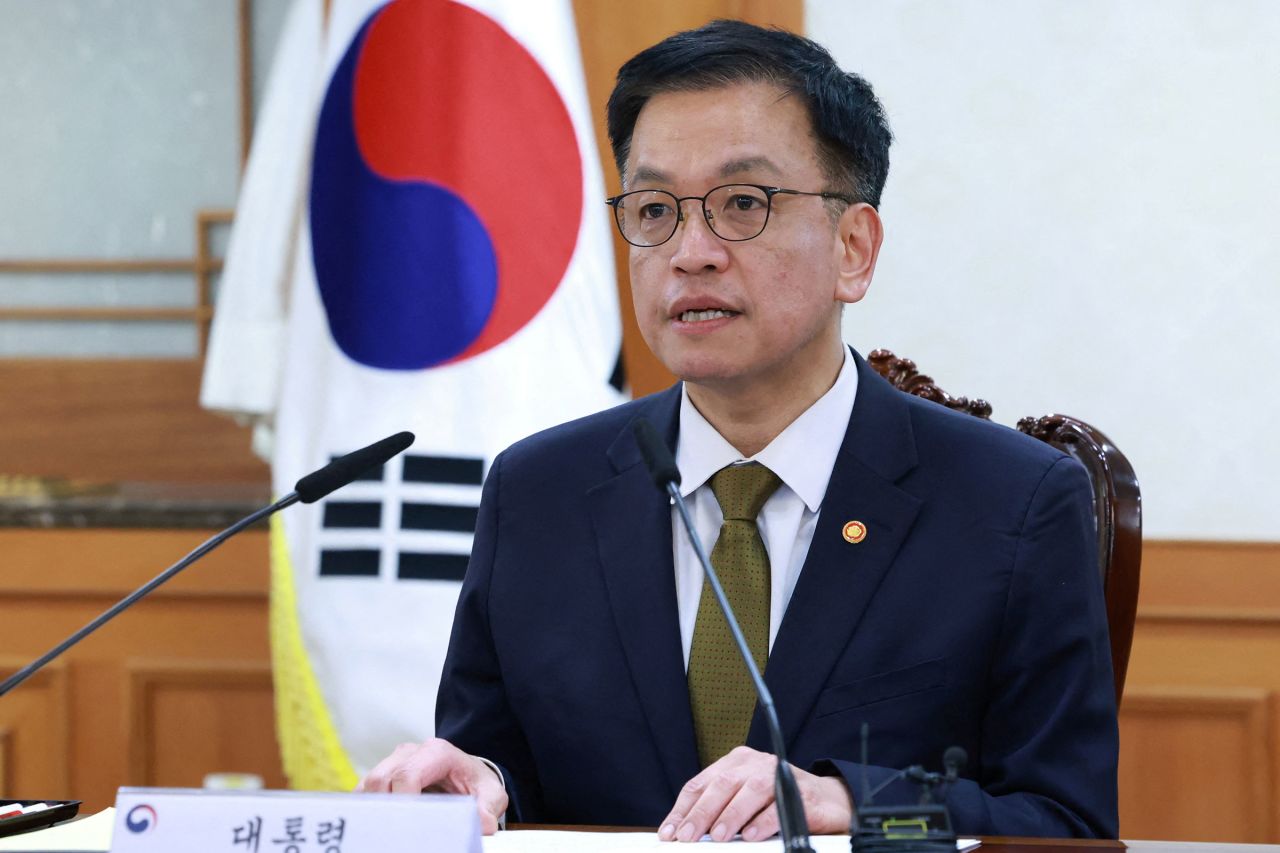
{"x": 860, "y": 234}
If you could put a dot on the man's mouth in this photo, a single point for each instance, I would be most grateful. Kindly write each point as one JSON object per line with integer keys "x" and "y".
{"x": 703, "y": 315}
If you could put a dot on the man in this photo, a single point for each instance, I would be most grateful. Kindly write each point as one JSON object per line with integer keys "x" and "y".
{"x": 901, "y": 565}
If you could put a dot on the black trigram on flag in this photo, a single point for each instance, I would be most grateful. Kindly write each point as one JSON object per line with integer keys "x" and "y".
{"x": 412, "y": 519}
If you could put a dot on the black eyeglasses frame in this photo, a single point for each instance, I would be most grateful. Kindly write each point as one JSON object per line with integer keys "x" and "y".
{"x": 769, "y": 192}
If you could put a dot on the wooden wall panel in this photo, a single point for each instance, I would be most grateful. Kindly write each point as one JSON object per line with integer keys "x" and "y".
{"x": 6, "y": 781}
{"x": 211, "y": 619}
{"x": 34, "y": 719}
{"x": 1177, "y": 740}
{"x": 1199, "y": 579}
{"x": 107, "y": 564}
{"x": 1200, "y": 724}
{"x": 130, "y": 420}
{"x": 190, "y": 718}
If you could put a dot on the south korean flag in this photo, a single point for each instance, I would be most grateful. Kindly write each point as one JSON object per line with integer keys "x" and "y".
{"x": 450, "y": 272}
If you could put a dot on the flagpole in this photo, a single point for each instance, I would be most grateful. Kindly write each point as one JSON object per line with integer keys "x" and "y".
{"x": 244, "y": 19}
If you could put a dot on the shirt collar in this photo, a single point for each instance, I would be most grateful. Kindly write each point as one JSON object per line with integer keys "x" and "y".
{"x": 802, "y": 455}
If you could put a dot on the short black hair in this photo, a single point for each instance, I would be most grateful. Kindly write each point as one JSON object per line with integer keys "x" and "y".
{"x": 849, "y": 124}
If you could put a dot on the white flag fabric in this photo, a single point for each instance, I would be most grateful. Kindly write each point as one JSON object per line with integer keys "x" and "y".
{"x": 452, "y": 275}
{"x": 246, "y": 344}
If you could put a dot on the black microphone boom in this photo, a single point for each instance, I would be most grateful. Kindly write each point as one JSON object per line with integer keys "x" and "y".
{"x": 309, "y": 489}
{"x": 792, "y": 825}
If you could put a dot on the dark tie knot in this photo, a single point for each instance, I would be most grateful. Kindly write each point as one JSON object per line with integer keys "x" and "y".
{"x": 743, "y": 489}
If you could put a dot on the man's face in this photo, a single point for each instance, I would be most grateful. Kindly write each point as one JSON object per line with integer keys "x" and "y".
{"x": 777, "y": 296}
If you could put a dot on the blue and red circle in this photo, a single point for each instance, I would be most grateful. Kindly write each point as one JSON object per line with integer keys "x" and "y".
{"x": 446, "y": 191}
{"x": 141, "y": 818}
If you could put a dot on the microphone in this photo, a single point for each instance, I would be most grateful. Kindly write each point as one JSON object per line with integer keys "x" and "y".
{"x": 657, "y": 458}
{"x": 953, "y": 761}
{"x": 792, "y": 825}
{"x": 309, "y": 489}
{"x": 922, "y": 828}
{"x": 344, "y": 469}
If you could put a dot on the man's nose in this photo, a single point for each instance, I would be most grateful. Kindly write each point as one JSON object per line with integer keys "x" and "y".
{"x": 698, "y": 249}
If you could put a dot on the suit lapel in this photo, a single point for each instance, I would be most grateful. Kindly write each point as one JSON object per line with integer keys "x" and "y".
{"x": 632, "y": 522}
{"x": 839, "y": 578}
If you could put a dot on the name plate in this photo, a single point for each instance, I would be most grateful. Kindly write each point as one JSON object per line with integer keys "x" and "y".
{"x": 164, "y": 820}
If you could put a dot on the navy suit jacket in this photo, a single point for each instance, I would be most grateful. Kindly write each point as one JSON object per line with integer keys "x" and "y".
{"x": 971, "y": 614}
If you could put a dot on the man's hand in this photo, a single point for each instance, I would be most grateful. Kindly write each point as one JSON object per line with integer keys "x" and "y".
{"x": 438, "y": 765}
{"x": 736, "y": 795}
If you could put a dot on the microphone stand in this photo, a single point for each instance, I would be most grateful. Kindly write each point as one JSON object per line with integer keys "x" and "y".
{"x": 792, "y": 825}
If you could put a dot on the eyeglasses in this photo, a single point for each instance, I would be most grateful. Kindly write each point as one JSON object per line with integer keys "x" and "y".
{"x": 733, "y": 212}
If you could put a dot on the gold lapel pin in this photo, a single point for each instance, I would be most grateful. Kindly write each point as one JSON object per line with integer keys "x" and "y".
{"x": 855, "y": 532}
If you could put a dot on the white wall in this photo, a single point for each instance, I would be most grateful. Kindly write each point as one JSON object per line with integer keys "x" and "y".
{"x": 1082, "y": 216}
{"x": 119, "y": 121}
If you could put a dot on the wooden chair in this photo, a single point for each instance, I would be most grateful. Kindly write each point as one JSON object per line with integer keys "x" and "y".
{"x": 1117, "y": 501}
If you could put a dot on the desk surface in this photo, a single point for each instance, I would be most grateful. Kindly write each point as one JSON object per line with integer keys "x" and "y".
{"x": 35, "y": 842}
{"x": 1076, "y": 845}
{"x": 1018, "y": 845}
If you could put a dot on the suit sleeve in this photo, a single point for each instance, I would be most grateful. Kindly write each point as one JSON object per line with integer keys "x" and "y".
{"x": 1049, "y": 735}
{"x": 472, "y": 710}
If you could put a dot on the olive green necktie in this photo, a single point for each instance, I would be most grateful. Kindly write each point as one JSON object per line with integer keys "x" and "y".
{"x": 720, "y": 688}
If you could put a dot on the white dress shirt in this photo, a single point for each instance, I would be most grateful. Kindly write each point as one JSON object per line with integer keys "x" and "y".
{"x": 802, "y": 456}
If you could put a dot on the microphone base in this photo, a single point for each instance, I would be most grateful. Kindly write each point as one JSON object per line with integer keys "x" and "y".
{"x": 924, "y": 828}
